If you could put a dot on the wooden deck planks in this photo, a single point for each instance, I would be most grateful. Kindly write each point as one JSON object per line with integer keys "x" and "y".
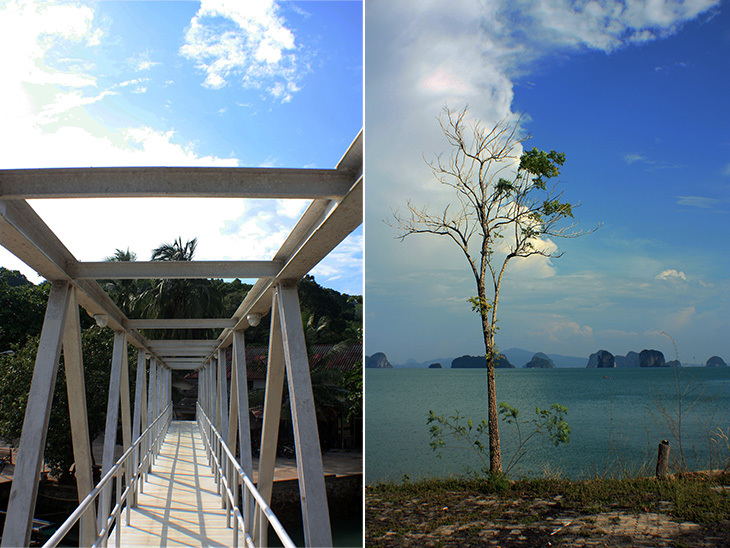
{"x": 180, "y": 505}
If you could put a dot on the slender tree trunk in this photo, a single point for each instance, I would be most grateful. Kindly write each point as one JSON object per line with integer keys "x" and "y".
{"x": 495, "y": 449}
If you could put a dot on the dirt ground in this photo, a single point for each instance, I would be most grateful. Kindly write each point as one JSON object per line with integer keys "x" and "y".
{"x": 456, "y": 519}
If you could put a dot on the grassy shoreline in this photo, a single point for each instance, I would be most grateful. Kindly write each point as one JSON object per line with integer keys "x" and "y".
{"x": 688, "y": 510}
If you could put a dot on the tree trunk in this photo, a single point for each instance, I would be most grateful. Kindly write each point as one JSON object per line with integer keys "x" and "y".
{"x": 495, "y": 449}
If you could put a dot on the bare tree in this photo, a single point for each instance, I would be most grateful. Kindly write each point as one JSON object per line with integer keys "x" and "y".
{"x": 504, "y": 209}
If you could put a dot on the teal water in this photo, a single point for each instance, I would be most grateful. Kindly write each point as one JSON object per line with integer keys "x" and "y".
{"x": 616, "y": 423}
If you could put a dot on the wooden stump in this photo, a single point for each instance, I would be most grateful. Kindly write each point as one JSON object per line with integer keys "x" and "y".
{"x": 662, "y": 460}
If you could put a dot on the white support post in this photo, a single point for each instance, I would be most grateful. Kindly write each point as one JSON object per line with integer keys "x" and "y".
{"x": 222, "y": 393}
{"x": 239, "y": 414}
{"x": 125, "y": 403}
{"x": 75, "y": 387}
{"x": 158, "y": 391}
{"x": 112, "y": 420}
{"x": 151, "y": 402}
{"x": 137, "y": 420}
{"x": 201, "y": 389}
{"x": 144, "y": 418}
{"x": 272, "y": 415}
{"x": 213, "y": 392}
{"x": 24, "y": 490}
{"x": 313, "y": 493}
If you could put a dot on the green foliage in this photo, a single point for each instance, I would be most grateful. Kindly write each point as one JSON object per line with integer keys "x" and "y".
{"x": 480, "y": 305}
{"x": 542, "y": 165}
{"x": 22, "y": 308}
{"x": 550, "y": 421}
{"x": 351, "y": 383}
{"x": 16, "y": 372}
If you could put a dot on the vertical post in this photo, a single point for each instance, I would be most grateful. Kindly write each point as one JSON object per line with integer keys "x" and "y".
{"x": 158, "y": 391}
{"x": 272, "y": 415}
{"x": 201, "y": 388}
{"x": 222, "y": 392}
{"x": 78, "y": 413}
{"x": 240, "y": 415}
{"x": 313, "y": 493}
{"x": 112, "y": 420}
{"x": 125, "y": 402}
{"x": 137, "y": 419}
{"x": 662, "y": 461}
{"x": 151, "y": 409}
{"x": 151, "y": 400}
{"x": 213, "y": 392}
{"x": 24, "y": 490}
{"x": 144, "y": 419}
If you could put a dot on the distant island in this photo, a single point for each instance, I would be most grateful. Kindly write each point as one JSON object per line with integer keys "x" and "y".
{"x": 540, "y": 361}
{"x": 648, "y": 358}
{"x": 476, "y": 362}
{"x": 378, "y": 361}
{"x": 645, "y": 358}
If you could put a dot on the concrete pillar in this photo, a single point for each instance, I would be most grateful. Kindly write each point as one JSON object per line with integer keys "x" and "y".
{"x": 222, "y": 393}
{"x": 313, "y": 494}
{"x": 24, "y": 490}
{"x": 272, "y": 416}
{"x": 78, "y": 413}
{"x": 112, "y": 420}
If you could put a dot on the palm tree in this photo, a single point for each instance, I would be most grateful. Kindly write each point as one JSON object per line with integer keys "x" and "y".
{"x": 180, "y": 298}
{"x": 122, "y": 292}
{"x": 175, "y": 251}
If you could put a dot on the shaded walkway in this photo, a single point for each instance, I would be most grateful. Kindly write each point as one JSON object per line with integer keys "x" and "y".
{"x": 179, "y": 505}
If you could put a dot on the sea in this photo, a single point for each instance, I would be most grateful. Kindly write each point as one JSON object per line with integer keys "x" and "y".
{"x": 617, "y": 419}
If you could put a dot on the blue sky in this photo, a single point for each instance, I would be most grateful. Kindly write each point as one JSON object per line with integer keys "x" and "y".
{"x": 635, "y": 94}
{"x": 209, "y": 83}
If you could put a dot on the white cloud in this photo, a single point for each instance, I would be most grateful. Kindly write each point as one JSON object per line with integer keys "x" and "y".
{"x": 698, "y": 201}
{"x": 142, "y": 62}
{"x": 49, "y": 128}
{"x": 65, "y": 103}
{"x": 423, "y": 55}
{"x": 680, "y": 319}
{"x": 633, "y": 158}
{"x": 246, "y": 41}
{"x": 672, "y": 274}
{"x": 560, "y": 330}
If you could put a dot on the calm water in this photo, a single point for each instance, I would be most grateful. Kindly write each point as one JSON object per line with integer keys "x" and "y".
{"x": 616, "y": 423}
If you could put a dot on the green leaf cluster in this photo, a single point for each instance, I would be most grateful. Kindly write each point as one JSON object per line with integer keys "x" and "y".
{"x": 551, "y": 421}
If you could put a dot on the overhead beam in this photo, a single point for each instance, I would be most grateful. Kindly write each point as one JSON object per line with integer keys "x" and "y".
{"x": 170, "y": 323}
{"x": 26, "y": 235}
{"x": 182, "y": 352}
{"x": 175, "y": 361}
{"x": 130, "y": 270}
{"x": 181, "y": 343}
{"x": 301, "y": 252}
{"x": 185, "y": 366}
{"x": 167, "y": 182}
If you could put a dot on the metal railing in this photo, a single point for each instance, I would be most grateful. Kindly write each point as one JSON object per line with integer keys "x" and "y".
{"x": 229, "y": 477}
{"x": 148, "y": 446}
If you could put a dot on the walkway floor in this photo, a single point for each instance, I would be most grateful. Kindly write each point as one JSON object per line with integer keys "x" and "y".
{"x": 179, "y": 506}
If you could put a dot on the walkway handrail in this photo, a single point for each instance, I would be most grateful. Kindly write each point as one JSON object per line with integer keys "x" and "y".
{"x": 226, "y": 468}
{"x": 154, "y": 434}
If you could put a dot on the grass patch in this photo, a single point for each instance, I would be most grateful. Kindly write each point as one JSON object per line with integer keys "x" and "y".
{"x": 691, "y": 497}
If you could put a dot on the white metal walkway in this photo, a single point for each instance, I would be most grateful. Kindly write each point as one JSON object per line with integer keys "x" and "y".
{"x": 179, "y": 504}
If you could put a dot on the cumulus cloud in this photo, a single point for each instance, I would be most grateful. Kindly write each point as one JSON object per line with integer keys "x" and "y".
{"x": 46, "y": 125}
{"x": 560, "y": 330}
{"x": 245, "y": 41}
{"x": 422, "y": 56}
{"x": 142, "y": 62}
{"x": 672, "y": 274}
